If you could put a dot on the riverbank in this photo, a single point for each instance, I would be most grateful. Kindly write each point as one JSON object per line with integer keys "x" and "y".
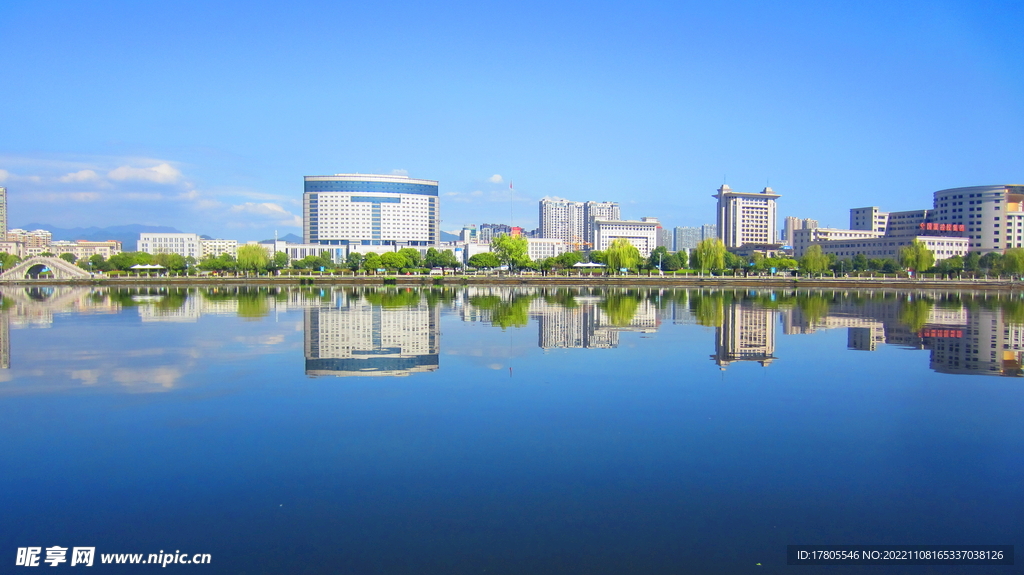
{"x": 553, "y": 281}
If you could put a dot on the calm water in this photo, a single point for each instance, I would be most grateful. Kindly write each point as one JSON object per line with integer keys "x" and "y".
{"x": 498, "y": 431}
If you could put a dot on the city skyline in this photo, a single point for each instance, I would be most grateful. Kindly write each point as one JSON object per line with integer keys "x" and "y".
{"x": 208, "y": 124}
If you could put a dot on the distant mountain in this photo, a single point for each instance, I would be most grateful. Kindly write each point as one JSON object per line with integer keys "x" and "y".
{"x": 290, "y": 238}
{"x": 447, "y": 237}
{"x": 128, "y": 235}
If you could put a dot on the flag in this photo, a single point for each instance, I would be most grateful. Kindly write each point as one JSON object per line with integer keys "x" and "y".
{"x": 510, "y": 184}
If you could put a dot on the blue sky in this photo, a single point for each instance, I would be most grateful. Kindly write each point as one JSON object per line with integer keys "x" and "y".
{"x": 205, "y": 116}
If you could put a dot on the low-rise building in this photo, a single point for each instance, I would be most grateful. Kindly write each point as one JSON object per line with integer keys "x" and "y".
{"x": 84, "y": 249}
{"x": 184, "y": 245}
{"x": 642, "y": 234}
{"x": 542, "y": 248}
{"x": 217, "y": 247}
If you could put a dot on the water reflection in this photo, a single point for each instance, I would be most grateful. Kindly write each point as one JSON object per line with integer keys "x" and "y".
{"x": 397, "y": 331}
{"x": 370, "y": 332}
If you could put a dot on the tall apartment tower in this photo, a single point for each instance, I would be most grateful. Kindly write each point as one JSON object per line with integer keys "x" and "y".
{"x": 792, "y": 224}
{"x": 3, "y": 212}
{"x": 597, "y": 211}
{"x": 573, "y": 222}
{"x": 746, "y": 218}
{"x": 563, "y": 220}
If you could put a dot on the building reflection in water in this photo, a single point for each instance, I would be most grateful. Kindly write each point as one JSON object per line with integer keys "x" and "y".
{"x": 395, "y": 332}
{"x": 587, "y": 321}
{"x": 372, "y": 334}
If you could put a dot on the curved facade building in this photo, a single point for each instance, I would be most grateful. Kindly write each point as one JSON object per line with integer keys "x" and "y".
{"x": 370, "y": 210}
{"x": 992, "y": 216}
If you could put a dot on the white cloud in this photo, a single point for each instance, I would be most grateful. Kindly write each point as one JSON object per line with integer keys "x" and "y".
{"x": 399, "y": 172}
{"x": 80, "y": 176}
{"x": 55, "y": 198}
{"x": 495, "y": 179}
{"x": 160, "y": 174}
{"x": 476, "y": 193}
{"x": 268, "y": 211}
{"x": 143, "y": 196}
{"x": 4, "y": 174}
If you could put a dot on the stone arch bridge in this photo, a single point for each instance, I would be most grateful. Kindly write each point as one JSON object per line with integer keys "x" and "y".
{"x": 32, "y": 267}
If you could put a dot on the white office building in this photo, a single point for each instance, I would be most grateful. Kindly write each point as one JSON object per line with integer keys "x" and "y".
{"x": 746, "y": 218}
{"x": 642, "y": 234}
{"x": 542, "y": 248}
{"x": 370, "y": 210}
{"x": 184, "y": 245}
{"x": 218, "y": 247}
{"x": 992, "y": 217}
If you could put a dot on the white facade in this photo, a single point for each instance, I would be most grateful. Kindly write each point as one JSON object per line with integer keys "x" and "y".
{"x": 33, "y": 239}
{"x": 803, "y": 238}
{"x": 992, "y": 216}
{"x": 86, "y": 249}
{"x": 563, "y": 220}
{"x": 363, "y": 338}
{"x": 889, "y": 247}
{"x": 162, "y": 243}
{"x": 542, "y": 248}
{"x": 370, "y": 210}
{"x": 572, "y": 222}
{"x": 870, "y": 218}
{"x": 642, "y": 234}
{"x": 218, "y": 247}
{"x": 746, "y": 218}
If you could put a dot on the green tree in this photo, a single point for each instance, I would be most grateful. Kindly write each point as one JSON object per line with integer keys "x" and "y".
{"x": 393, "y": 260}
{"x": 621, "y": 254}
{"x": 814, "y": 261}
{"x": 992, "y": 263}
{"x": 1013, "y": 261}
{"x": 253, "y": 257}
{"x": 8, "y": 261}
{"x": 126, "y": 260}
{"x": 279, "y": 261}
{"x": 917, "y": 257}
{"x": 710, "y": 255}
{"x": 354, "y": 261}
{"x": 70, "y": 258}
{"x": 597, "y": 257}
{"x": 511, "y": 251}
{"x": 656, "y": 261}
{"x": 431, "y": 258}
{"x": 172, "y": 262}
{"x": 859, "y": 263}
{"x": 569, "y": 259}
{"x": 447, "y": 259}
{"x": 972, "y": 262}
{"x": 412, "y": 255}
{"x": 952, "y": 265}
{"x": 371, "y": 262}
{"x": 484, "y": 260}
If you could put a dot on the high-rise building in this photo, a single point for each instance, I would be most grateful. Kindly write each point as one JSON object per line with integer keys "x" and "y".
{"x": 370, "y": 210}
{"x": 792, "y": 224}
{"x": 597, "y": 211}
{"x": 686, "y": 238}
{"x": 572, "y": 222}
{"x": 665, "y": 239}
{"x": 562, "y": 219}
{"x": 708, "y": 231}
{"x": 992, "y": 216}
{"x": 746, "y": 218}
